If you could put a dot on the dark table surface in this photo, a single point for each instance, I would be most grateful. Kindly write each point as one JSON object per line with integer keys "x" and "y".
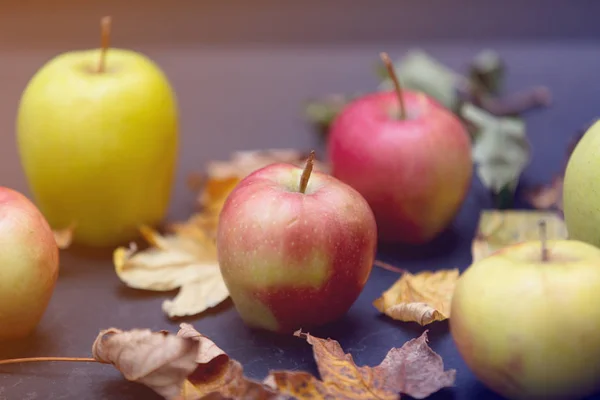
{"x": 90, "y": 297}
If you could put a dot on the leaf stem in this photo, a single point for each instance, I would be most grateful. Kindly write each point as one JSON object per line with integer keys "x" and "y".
{"x": 390, "y": 69}
{"x": 105, "y": 25}
{"x": 543, "y": 240}
{"x": 308, "y": 167}
{"x": 38, "y": 359}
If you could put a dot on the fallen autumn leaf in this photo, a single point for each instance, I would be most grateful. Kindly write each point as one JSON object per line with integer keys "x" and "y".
{"x": 184, "y": 262}
{"x": 186, "y": 366}
{"x": 158, "y": 360}
{"x": 422, "y": 298}
{"x": 414, "y": 369}
{"x": 498, "y": 229}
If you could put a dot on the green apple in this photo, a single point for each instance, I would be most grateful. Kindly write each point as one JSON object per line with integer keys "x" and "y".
{"x": 99, "y": 147}
{"x": 527, "y": 325}
{"x": 581, "y": 188}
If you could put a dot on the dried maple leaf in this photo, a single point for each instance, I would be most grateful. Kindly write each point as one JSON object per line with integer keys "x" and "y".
{"x": 414, "y": 369}
{"x": 498, "y": 229}
{"x": 187, "y": 261}
{"x": 64, "y": 237}
{"x": 422, "y": 298}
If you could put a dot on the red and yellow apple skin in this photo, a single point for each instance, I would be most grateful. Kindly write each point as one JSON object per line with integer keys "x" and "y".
{"x": 28, "y": 265}
{"x": 294, "y": 260}
{"x": 415, "y": 173}
{"x": 527, "y": 328}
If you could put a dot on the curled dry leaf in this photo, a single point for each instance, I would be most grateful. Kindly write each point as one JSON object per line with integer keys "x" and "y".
{"x": 422, "y": 298}
{"x": 158, "y": 360}
{"x": 498, "y": 229}
{"x": 64, "y": 237}
{"x": 185, "y": 261}
{"x": 185, "y": 366}
{"x": 414, "y": 369}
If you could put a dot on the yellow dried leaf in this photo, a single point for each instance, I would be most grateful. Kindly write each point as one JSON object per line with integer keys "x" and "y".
{"x": 186, "y": 262}
{"x": 414, "y": 369}
{"x": 422, "y": 298}
{"x": 64, "y": 237}
{"x": 498, "y": 229}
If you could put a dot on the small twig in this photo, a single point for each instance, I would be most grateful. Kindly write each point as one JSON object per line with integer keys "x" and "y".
{"x": 307, "y": 171}
{"x": 38, "y": 359}
{"x": 389, "y": 267}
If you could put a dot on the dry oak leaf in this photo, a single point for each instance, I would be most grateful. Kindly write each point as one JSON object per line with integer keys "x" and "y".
{"x": 414, "y": 369}
{"x": 422, "y": 298}
{"x": 185, "y": 261}
{"x": 501, "y": 228}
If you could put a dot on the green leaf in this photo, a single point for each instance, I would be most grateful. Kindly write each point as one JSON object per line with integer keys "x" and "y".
{"x": 501, "y": 150}
{"x": 418, "y": 71}
{"x": 321, "y": 112}
{"x": 487, "y": 72}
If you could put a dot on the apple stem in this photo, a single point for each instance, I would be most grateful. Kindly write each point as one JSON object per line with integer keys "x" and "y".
{"x": 36, "y": 359}
{"x": 105, "y": 24}
{"x": 543, "y": 241}
{"x": 390, "y": 69}
{"x": 307, "y": 171}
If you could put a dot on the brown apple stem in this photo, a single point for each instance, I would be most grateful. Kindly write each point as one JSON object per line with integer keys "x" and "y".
{"x": 390, "y": 69}
{"x": 38, "y": 359}
{"x": 543, "y": 241}
{"x": 308, "y": 167}
{"x": 105, "y": 24}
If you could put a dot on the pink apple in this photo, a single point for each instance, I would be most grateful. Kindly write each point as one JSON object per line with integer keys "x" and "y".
{"x": 28, "y": 265}
{"x": 414, "y": 172}
{"x": 294, "y": 259}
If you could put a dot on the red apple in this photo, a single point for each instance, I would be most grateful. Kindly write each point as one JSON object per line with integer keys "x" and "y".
{"x": 28, "y": 265}
{"x": 414, "y": 172}
{"x": 294, "y": 258}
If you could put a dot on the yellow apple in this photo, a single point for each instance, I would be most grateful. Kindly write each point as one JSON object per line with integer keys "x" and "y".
{"x": 581, "y": 203}
{"x": 528, "y": 326}
{"x": 99, "y": 147}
